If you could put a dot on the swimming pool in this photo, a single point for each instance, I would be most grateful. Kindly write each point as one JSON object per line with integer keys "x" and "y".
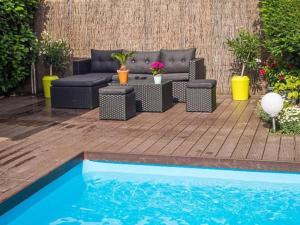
{"x": 116, "y": 193}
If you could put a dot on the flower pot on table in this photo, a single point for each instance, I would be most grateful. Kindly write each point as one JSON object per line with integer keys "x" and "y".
{"x": 157, "y": 79}
{"x": 123, "y": 76}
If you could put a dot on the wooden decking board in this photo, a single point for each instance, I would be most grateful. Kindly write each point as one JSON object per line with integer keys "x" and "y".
{"x": 171, "y": 133}
{"x": 178, "y": 139}
{"x": 43, "y": 138}
{"x": 144, "y": 124}
{"x": 259, "y": 142}
{"x": 272, "y": 147}
{"x": 157, "y": 131}
{"x": 297, "y": 148}
{"x": 202, "y": 125}
{"x": 210, "y": 131}
{"x": 287, "y": 148}
{"x": 214, "y": 146}
{"x": 228, "y": 146}
{"x": 244, "y": 144}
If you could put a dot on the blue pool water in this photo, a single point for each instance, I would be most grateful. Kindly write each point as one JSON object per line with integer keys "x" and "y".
{"x": 113, "y": 194}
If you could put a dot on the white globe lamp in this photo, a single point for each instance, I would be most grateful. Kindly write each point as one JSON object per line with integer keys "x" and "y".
{"x": 272, "y": 104}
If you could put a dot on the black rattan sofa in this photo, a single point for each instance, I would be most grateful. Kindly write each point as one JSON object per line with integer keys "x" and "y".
{"x": 81, "y": 90}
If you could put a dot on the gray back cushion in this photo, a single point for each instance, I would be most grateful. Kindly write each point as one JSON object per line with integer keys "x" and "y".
{"x": 141, "y": 61}
{"x": 177, "y": 61}
{"x": 101, "y": 61}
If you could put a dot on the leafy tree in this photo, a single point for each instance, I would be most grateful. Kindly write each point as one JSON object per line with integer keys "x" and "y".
{"x": 246, "y": 48}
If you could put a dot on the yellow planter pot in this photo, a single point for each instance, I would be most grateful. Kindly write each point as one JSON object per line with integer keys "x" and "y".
{"x": 240, "y": 88}
{"x": 47, "y": 84}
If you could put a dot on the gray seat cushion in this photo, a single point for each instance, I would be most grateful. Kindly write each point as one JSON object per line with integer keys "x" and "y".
{"x": 101, "y": 61}
{"x": 133, "y": 76}
{"x": 176, "y": 76}
{"x": 177, "y": 61}
{"x": 141, "y": 61}
{"x": 116, "y": 90}
{"x": 86, "y": 80}
{"x": 202, "y": 83}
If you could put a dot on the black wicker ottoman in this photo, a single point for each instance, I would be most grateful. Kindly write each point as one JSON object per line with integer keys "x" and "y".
{"x": 201, "y": 96}
{"x": 117, "y": 103}
{"x": 77, "y": 92}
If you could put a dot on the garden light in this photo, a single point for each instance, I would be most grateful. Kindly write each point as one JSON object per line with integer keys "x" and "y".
{"x": 272, "y": 104}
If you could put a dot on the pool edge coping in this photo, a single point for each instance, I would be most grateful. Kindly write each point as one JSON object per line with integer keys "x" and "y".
{"x": 34, "y": 186}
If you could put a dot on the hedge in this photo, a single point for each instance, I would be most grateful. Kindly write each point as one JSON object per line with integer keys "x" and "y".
{"x": 17, "y": 42}
{"x": 281, "y": 29}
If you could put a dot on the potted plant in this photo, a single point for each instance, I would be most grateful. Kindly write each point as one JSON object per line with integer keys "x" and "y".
{"x": 55, "y": 54}
{"x": 122, "y": 57}
{"x": 157, "y": 71}
{"x": 246, "y": 48}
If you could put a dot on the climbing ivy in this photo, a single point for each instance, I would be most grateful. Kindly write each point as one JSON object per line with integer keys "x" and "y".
{"x": 17, "y": 42}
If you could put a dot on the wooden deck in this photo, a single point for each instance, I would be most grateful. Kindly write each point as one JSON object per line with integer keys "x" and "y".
{"x": 34, "y": 139}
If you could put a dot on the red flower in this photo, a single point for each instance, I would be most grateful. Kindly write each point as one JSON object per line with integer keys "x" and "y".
{"x": 290, "y": 66}
{"x": 273, "y": 65}
{"x": 262, "y": 72}
{"x": 281, "y": 77}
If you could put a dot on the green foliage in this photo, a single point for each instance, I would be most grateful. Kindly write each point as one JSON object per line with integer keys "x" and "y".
{"x": 281, "y": 27}
{"x": 289, "y": 87}
{"x": 262, "y": 114}
{"x": 54, "y": 53}
{"x": 246, "y": 48}
{"x": 17, "y": 42}
{"x": 289, "y": 120}
{"x": 122, "y": 57}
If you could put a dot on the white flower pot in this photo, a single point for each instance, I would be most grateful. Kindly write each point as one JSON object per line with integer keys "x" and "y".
{"x": 157, "y": 79}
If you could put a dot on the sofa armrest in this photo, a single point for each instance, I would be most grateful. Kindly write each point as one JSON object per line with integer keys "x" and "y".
{"x": 81, "y": 66}
{"x": 197, "y": 69}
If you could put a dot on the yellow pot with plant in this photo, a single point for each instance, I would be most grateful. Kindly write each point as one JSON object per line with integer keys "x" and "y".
{"x": 246, "y": 48}
{"x": 123, "y": 72}
{"x": 55, "y": 54}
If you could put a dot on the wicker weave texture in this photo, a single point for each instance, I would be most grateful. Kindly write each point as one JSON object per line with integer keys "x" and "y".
{"x": 179, "y": 91}
{"x": 201, "y": 99}
{"x": 117, "y": 107}
{"x": 75, "y": 97}
{"x": 153, "y": 97}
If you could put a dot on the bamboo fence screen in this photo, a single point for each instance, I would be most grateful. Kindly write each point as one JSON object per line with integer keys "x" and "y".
{"x": 151, "y": 25}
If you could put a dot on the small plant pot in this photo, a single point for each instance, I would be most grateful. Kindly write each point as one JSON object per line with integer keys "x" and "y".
{"x": 157, "y": 79}
{"x": 123, "y": 76}
{"x": 240, "y": 88}
{"x": 47, "y": 80}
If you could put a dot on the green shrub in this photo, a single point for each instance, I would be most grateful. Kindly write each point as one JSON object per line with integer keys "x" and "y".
{"x": 281, "y": 28}
{"x": 289, "y": 87}
{"x": 17, "y": 42}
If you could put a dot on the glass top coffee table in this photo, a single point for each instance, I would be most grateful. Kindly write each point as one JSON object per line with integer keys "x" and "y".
{"x": 151, "y": 97}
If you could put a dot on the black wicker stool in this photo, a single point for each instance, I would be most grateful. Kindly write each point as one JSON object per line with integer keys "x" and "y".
{"x": 201, "y": 96}
{"x": 117, "y": 103}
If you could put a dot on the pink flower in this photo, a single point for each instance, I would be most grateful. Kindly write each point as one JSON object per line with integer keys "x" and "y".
{"x": 157, "y": 65}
